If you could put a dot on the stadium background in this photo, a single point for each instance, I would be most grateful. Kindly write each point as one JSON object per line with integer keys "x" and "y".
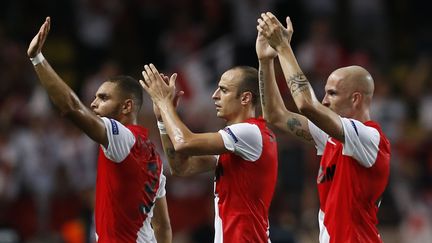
{"x": 47, "y": 167}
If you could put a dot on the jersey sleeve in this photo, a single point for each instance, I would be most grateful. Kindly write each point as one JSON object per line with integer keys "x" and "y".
{"x": 319, "y": 136}
{"x": 361, "y": 142}
{"x": 120, "y": 140}
{"x": 243, "y": 139}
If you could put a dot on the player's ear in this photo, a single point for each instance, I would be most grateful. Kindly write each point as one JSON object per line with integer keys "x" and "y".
{"x": 246, "y": 97}
{"x": 127, "y": 106}
{"x": 356, "y": 98}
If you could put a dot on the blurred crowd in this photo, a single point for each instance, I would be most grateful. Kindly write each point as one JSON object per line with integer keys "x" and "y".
{"x": 47, "y": 166}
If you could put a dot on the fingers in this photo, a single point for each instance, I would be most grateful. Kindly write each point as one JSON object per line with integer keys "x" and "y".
{"x": 269, "y": 21}
{"x": 43, "y": 31}
{"x": 289, "y": 24}
{"x": 177, "y": 97}
{"x": 146, "y": 82}
{"x": 48, "y": 23}
{"x": 152, "y": 76}
{"x": 272, "y": 19}
{"x": 165, "y": 78}
{"x": 143, "y": 84}
{"x": 172, "y": 80}
{"x": 263, "y": 28}
{"x": 154, "y": 69}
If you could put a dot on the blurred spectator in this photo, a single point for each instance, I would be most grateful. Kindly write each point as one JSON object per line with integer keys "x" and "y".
{"x": 44, "y": 190}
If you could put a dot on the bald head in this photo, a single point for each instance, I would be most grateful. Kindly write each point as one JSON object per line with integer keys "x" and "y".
{"x": 355, "y": 79}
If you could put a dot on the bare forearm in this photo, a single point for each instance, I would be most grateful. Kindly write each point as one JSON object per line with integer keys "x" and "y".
{"x": 177, "y": 131}
{"x": 163, "y": 234}
{"x": 177, "y": 162}
{"x": 305, "y": 98}
{"x": 65, "y": 99}
{"x": 297, "y": 82}
{"x": 59, "y": 92}
{"x": 161, "y": 222}
{"x": 195, "y": 146}
{"x": 271, "y": 100}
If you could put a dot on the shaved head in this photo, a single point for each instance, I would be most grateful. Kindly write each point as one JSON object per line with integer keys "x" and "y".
{"x": 355, "y": 79}
{"x": 349, "y": 92}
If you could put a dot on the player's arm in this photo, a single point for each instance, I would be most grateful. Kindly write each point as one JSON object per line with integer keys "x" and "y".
{"x": 186, "y": 165}
{"x": 301, "y": 90}
{"x": 63, "y": 97}
{"x": 273, "y": 107}
{"x": 161, "y": 221}
{"x": 184, "y": 141}
{"x": 181, "y": 164}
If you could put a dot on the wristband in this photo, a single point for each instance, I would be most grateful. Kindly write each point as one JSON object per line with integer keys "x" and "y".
{"x": 161, "y": 126}
{"x": 37, "y": 59}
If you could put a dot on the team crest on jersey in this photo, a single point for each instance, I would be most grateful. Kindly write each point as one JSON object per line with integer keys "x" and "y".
{"x": 228, "y": 130}
{"x": 114, "y": 127}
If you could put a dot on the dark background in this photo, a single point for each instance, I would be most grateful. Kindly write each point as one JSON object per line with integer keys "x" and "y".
{"x": 47, "y": 167}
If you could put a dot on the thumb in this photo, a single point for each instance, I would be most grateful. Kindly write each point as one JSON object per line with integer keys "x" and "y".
{"x": 173, "y": 80}
{"x": 177, "y": 97}
{"x": 289, "y": 23}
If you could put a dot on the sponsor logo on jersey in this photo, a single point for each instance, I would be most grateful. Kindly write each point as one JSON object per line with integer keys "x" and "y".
{"x": 228, "y": 130}
{"x": 114, "y": 127}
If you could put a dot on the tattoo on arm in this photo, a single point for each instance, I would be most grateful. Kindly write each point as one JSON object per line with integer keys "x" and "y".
{"x": 170, "y": 152}
{"x": 298, "y": 83}
{"x": 295, "y": 127}
{"x": 261, "y": 86}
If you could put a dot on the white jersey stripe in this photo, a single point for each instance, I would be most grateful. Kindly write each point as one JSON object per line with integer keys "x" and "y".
{"x": 324, "y": 236}
{"x": 218, "y": 223}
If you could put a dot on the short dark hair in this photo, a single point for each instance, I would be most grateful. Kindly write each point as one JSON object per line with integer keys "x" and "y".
{"x": 130, "y": 88}
{"x": 249, "y": 82}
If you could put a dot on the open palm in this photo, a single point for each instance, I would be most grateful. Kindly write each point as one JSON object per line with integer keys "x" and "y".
{"x": 263, "y": 49}
{"x": 38, "y": 41}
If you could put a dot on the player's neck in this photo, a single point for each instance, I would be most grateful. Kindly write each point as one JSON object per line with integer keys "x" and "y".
{"x": 241, "y": 117}
{"x": 128, "y": 120}
{"x": 362, "y": 117}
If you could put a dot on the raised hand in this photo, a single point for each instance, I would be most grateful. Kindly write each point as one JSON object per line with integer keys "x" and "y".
{"x": 155, "y": 85}
{"x": 176, "y": 100}
{"x": 38, "y": 41}
{"x": 276, "y": 34}
{"x": 263, "y": 49}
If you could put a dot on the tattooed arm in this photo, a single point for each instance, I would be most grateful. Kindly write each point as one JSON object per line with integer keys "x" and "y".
{"x": 304, "y": 97}
{"x": 273, "y": 107}
{"x": 181, "y": 164}
{"x": 186, "y": 165}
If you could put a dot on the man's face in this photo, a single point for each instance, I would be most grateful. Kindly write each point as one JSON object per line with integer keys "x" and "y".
{"x": 227, "y": 101}
{"x": 338, "y": 95}
{"x": 107, "y": 102}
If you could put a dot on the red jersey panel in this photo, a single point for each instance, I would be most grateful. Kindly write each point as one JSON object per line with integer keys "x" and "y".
{"x": 244, "y": 188}
{"x": 349, "y": 188}
{"x": 126, "y": 191}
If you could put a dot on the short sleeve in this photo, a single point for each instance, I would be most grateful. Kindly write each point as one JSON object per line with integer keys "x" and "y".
{"x": 243, "y": 139}
{"x": 120, "y": 140}
{"x": 319, "y": 136}
{"x": 361, "y": 142}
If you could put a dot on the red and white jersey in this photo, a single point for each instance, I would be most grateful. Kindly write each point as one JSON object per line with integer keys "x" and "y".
{"x": 351, "y": 180}
{"x": 245, "y": 180}
{"x": 129, "y": 179}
